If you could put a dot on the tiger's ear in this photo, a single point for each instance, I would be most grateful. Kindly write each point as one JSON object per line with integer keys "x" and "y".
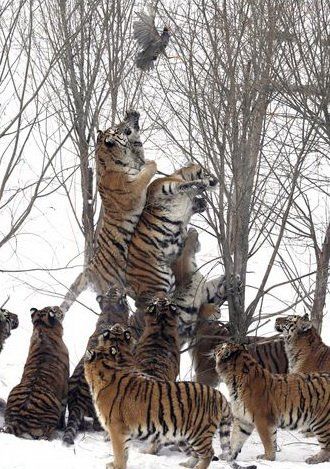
{"x": 127, "y": 336}
{"x": 33, "y": 310}
{"x": 89, "y": 355}
{"x": 305, "y": 317}
{"x": 106, "y": 334}
{"x": 173, "y": 308}
{"x": 99, "y": 298}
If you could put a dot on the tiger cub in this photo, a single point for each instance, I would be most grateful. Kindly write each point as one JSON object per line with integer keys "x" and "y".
{"x": 123, "y": 177}
{"x": 266, "y": 401}
{"x": 114, "y": 309}
{"x": 303, "y": 345}
{"x": 158, "y": 350}
{"x": 8, "y": 322}
{"x": 36, "y": 406}
{"x": 159, "y": 235}
{"x": 132, "y": 405}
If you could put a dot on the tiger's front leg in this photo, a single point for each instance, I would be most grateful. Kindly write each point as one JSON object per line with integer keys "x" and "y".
{"x": 147, "y": 173}
{"x": 267, "y": 435}
{"x": 120, "y": 452}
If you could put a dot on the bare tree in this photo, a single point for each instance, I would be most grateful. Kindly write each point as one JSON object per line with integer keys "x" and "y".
{"x": 23, "y": 111}
{"x": 93, "y": 76}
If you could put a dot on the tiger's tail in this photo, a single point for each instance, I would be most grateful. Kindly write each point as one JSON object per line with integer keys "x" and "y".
{"x": 78, "y": 286}
{"x": 75, "y": 419}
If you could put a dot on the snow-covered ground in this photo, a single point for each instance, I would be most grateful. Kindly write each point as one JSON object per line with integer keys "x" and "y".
{"x": 90, "y": 450}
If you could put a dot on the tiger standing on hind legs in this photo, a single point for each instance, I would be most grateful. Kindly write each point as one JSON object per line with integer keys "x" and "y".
{"x": 137, "y": 406}
{"x": 266, "y": 401}
{"x": 160, "y": 232}
{"x": 123, "y": 177}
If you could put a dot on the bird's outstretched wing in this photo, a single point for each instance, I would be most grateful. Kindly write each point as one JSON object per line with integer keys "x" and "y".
{"x": 145, "y": 31}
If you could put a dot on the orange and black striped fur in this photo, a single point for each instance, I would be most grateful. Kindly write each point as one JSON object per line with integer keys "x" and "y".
{"x": 114, "y": 309}
{"x": 158, "y": 350}
{"x": 132, "y": 405}
{"x": 159, "y": 235}
{"x": 8, "y": 322}
{"x": 192, "y": 289}
{"x": 36, "y": 406}
{"x": 266, "y": 401}
{"x": 123, "y": 177}
{"x": 304, "y": 347}
{"x": 210, "y": 332}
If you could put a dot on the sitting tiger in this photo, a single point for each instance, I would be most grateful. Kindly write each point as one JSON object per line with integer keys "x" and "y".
{"x": 137, "y": 406}
{"x": 114, "y": 309}
{"x": 123, "y": 177}
{"x": 36, "y": 406}
{"x": 304, "y": 347}
{"x": 8, "y": 322}
{"x": 159, "y": 235}
{"x": 266, "y": 401}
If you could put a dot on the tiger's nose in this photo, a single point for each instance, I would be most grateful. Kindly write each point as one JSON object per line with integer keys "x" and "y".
{"x": 109, "y": 142}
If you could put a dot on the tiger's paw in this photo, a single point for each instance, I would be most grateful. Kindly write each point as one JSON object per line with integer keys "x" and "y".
{"x": 267, "y": 457}
{"x": 322, "y": 456}
{"x": 112, "y": 465}
{"x": 191, "y": 462}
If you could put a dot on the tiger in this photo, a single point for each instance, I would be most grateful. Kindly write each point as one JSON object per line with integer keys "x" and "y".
{"x": 304, "y": 347}
{"x": 123, "y": 177}
{"x": 36, "y": 406}
{"x": 266, "y": 401}
{"x": 192, "y": 290}
{"x": 132, "y": 405}
{"x": 8, "y": 322}
{"x": 159, "y": 234}
{"x": 157, "y": 352}
{"x": 210, "y": 332}
{"x": 114, "y": 309}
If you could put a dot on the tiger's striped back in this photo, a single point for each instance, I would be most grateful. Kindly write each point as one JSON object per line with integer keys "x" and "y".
{"x": 152, "y": 410}
{"x": 36, "y": 406}
{"x": 8, "y": 322}
{"x": 158, "y": 350}
{"x": 114, "y": 309}
{"x": 123, "y": 177}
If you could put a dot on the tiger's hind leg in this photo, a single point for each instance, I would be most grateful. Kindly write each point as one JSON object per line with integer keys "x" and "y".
{"x": 322, "y": 433}
{"x": 240, "y": 433}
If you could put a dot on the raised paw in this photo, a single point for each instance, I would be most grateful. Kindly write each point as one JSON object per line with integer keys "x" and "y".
{"x": 112, "y": 465}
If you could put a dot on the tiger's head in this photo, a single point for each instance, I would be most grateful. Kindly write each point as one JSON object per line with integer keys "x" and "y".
{"x": 8, "y": 322}
{"x": 113, "y": 346}
{"x": 114, "y": 300}
{"x": 293, "y": 326}
{"x": 160, "y": 309}
{"x": 120, "y": 147}
{"x": 228, "y": 357}
{"x": 48, "y": 317}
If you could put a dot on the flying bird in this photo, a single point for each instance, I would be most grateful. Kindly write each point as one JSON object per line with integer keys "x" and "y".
{"x": 151, "y": 43}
